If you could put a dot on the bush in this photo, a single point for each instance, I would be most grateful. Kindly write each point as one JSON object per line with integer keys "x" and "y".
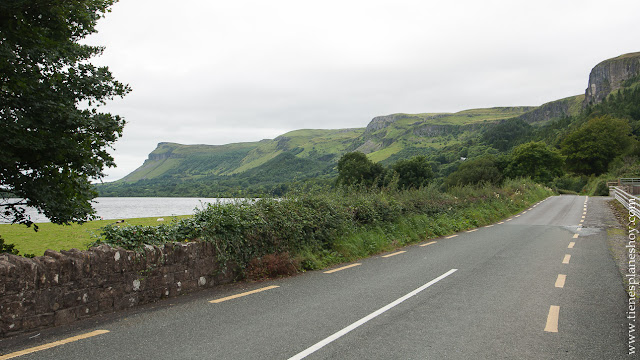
{"x": 569, "y": 184}
{"x": 269, "y": 237}
{"x": 535, "y": 160}
{"x": 413, "y": 173}
{"x": 7, "y": 248}
{"x": 476, "y": 171}
{"x": 272, "y": 265}
{"x": 601, "y": 189}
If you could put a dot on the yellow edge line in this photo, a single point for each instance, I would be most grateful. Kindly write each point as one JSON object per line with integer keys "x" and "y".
{"x": 560, "y": 280}
{"x": 342, "y": 268}
{"x": 472, "y": 230}
{"x": 552, "y": 319}
{"x": 53, "y": 344}
{"x": 452, "y": 236}
{"x": 394, "y": 254}
{"x": 216, "y": 301}
{"x": 433, "y": 242}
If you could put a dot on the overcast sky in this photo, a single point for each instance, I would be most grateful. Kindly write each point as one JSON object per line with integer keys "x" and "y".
{"x": 218, "y": 72}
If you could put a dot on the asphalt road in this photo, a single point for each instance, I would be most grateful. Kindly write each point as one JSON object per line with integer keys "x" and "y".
{"x": 538, "y": 286}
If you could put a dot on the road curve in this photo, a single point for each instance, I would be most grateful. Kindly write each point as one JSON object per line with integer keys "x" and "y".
{"x": 540, "y": 285}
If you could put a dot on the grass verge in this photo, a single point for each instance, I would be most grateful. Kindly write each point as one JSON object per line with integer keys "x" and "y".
{"x": 63, "y": 237}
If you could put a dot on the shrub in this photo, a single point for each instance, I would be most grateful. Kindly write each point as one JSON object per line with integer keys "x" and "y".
{"x": 476, "y": 171}
{"x": 272, "y": 265}
{"x": 7, "y": 248}
{"x": 570, "y": 184}
{"x": 271, "y": 237}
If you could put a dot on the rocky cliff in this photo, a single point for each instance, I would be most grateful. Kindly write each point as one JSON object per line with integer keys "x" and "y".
{"x": 381, "y": 122}
{"x": 609, "y": 76}
{"x": 553, "y": 110}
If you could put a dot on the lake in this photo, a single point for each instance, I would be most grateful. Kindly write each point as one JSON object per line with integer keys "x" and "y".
{"x": 109, "y": 208}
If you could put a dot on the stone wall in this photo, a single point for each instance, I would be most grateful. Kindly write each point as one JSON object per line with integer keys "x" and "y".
{"x": 60, "y": 288}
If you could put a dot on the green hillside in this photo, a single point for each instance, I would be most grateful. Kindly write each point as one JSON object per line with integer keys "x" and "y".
{"x": 311, "y": 154}
{"x": 300, "y": 155}
{"x": 406, "y": 130}
{"x": 191, "y": 161}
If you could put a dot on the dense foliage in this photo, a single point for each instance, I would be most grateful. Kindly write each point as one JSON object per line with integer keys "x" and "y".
{"x": 505, "y": 135}
{"x": 53, "y": 139}
{"x": 592, "y": 147}
{"x": 355, "y": 168}
{"x": 414, "y": 172}
{"x": 535, "y": 160}
{"x": 476, "y": 171}
{"x": 324, "y": 226}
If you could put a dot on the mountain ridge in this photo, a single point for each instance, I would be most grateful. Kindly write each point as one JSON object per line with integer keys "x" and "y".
{"x": 383, "y": 139}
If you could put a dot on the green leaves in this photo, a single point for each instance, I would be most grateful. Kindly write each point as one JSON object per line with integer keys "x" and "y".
{"x": 50, "y": 149}
{"x": 537, "y": 161}
{"x": 355, "y": 168}
{"x": 413, "y": 173}
{"x": 474, "y": 172}
{"x": 331, "y": 226}
{"x": 591, "y": 148}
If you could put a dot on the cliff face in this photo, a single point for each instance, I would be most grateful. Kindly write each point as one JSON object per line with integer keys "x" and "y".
{"x": 609, "y": 75}
{"x": 554, "y": 110}
{"x": 381, "y": 122}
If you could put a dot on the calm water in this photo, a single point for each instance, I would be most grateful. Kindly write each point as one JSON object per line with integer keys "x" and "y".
{"x": 127, "y": 208}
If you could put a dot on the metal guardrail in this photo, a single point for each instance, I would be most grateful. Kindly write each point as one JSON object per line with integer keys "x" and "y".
{"x": 629, "y": 181}
{"x": 632, "y": 203}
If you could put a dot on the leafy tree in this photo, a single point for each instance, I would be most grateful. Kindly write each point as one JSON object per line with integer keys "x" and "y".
{"x": 535, "y": 160}
{"x": 414, "y": 172}
{"x": 591, "y": 148}
{"x": 475, "y": 171}
{"x": 355, "y": 168}
{"x": 53, "y": 139}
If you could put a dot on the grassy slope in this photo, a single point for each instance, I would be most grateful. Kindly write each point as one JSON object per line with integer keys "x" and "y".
{"x": 400, "y": 134}
{"x": 475, "y": 115}
{"x": 194, "y": 161}
{"x": 316, "y": 143}
{"x": 310, "y": 142}
{"x": 219, "y": 158}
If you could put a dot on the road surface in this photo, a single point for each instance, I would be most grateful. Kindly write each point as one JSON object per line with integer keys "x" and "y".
{"x": 540, "y": 285}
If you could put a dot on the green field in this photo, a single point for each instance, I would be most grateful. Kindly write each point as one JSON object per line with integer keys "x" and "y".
{"x": 63, "y": 237}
